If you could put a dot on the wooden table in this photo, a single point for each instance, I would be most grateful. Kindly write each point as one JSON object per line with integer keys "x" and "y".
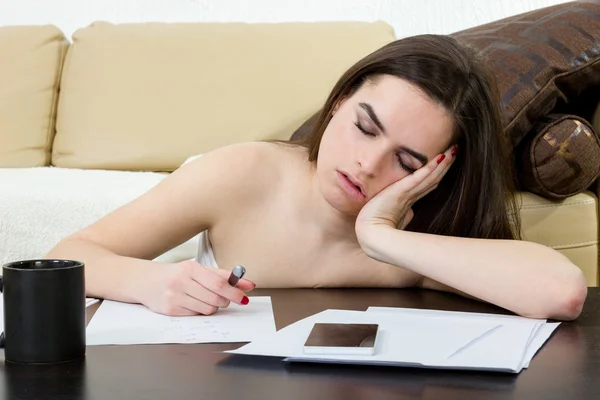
{"x": 567, "y": 367}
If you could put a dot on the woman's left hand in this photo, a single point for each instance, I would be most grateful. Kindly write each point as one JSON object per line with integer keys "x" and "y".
{"x": 392, "y": 206}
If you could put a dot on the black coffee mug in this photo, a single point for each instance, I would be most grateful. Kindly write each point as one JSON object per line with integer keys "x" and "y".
{"x": 44, "y": 311}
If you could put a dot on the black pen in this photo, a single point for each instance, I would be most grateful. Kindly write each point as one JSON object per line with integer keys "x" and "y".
{"x": 236, "y": 274}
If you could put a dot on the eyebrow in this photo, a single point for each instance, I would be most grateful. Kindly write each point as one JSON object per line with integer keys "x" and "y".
{"x": 421, "y": 157}
{"x": 367, "y": 107}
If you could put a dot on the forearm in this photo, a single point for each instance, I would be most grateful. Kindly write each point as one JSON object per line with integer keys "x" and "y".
{"x": 524, "y": 277}
{"x": 107, "y": 275}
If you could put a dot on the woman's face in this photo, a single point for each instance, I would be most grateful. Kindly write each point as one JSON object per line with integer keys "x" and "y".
{"x": 385, "y": 131}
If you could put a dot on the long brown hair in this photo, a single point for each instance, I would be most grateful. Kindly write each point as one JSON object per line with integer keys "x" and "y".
{"x": 476, "y": 197}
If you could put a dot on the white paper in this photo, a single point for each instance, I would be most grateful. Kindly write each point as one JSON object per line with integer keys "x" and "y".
{"x": 405, "y": 339}
{"x": 89, "y": 301}
{"x": 542, "y": 334}
{"x": 512, "y": 346}
{"x": 123, "y": 323}
{"x": 422, "y": 338}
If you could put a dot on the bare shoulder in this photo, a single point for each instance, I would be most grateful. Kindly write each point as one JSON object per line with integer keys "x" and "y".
{"x": 238, "y": 157}
{"x": 247, "y": 169}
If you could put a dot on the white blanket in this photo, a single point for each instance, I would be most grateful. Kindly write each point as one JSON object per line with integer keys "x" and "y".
{"x": 40, "y": 206}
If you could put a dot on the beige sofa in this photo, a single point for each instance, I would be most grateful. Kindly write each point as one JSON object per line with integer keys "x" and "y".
{"x": 89, "y": 123}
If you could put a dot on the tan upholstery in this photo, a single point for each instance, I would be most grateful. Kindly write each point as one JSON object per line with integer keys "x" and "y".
{"x": 32, "y": 58}
{"x": 147, "y": 96}
{"x": 569, "y": 226}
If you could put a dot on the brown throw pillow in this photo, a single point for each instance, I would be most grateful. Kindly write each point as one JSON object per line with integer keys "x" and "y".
{"x": 559, "y": 157}
{"x": 541, "y": 59}
{"x": 547, "y": 61}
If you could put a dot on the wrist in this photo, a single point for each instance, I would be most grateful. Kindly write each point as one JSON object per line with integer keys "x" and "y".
{"x": 373, "y": 240}
{"x": 125, "y": 279}
{"x": 141, "y": 280}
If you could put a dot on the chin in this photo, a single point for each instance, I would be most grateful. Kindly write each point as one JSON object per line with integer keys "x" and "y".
{"x": 338, "y": 201}
{"x": 335, "y": 196}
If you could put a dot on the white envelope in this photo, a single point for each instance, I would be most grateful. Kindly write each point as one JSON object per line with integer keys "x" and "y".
{"x": 402, "y": 340}
{"x": 514, "y": 343}
{"x": 420, "y": 338}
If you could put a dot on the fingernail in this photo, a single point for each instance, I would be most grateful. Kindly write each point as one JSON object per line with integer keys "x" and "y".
{"x": 245, "y": 300}
{"x": 441, "y": 158}
{"x": 454, "y": 150}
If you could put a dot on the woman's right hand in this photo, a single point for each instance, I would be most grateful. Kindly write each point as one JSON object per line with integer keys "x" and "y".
{"x": 189, "y": 288}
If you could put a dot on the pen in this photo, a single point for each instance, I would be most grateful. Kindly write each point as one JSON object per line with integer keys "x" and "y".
{"x": 236, "y": 274}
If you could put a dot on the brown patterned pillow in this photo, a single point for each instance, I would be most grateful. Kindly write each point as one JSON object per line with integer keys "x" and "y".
{"x": 545, "y": 61}
{"x": 561, "y": 143}
{"x": 540, "y": 58}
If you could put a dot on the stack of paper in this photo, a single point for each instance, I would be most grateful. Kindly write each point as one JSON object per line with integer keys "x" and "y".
{"x": 123, "y": 323}
{"x": 89, "y": 301}
{"x": 420, "y": 338}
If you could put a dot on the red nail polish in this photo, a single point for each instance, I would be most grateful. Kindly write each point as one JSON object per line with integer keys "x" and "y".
{"x": 454, "y": 150}
{"x": 245, "y": 300}
{"x": 441, "y": 158}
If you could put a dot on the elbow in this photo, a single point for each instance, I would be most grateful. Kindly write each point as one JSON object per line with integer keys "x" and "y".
{"x": 563, "y": 298}
{"x": 58, "y": 251}
{"x": 570, "y": 297}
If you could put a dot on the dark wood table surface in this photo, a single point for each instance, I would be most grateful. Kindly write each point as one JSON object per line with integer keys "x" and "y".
{"x": 567, "y": 366}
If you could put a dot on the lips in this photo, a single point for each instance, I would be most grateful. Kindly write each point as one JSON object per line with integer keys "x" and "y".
{"x": 356, "y": 183}
{"x": 352, "y": 186}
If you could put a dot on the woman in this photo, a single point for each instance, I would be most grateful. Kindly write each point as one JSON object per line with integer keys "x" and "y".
{"x": 403, "y": 182}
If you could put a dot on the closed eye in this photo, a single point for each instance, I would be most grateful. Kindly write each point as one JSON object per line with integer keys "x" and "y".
{"x": 363, "y": 130}
{"x": 405, "y": 167}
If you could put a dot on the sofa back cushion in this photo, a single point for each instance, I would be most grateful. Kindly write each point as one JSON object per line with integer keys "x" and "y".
{"x": 147, "y": 96}
{"x": 32, "y": 58}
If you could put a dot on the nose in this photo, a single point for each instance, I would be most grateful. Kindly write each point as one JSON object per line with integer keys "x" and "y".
{"x": 370, "y": 159}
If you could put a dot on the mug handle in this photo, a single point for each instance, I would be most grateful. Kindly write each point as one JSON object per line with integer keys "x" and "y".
{"x": 2, "y": 341}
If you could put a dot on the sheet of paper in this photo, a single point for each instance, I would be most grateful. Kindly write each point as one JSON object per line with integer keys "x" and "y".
{"x": 441, "y": 313}
{"x": 123, "y": 323}
{"x": 513, "y": 344}
{"x": 541, "y": 336}
{"x": 89, "y": 301}
{"x": 404, "y": 339}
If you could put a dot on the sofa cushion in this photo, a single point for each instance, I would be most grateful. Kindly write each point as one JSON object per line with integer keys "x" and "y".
{"x": 560, "y": 157}
{"x": 146, "y": 96}
{"x": 30, "y": 70}
{"x": 41, "y": 206}
{"x": 569, "y": 225}
{"x": 543, "y": 60}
